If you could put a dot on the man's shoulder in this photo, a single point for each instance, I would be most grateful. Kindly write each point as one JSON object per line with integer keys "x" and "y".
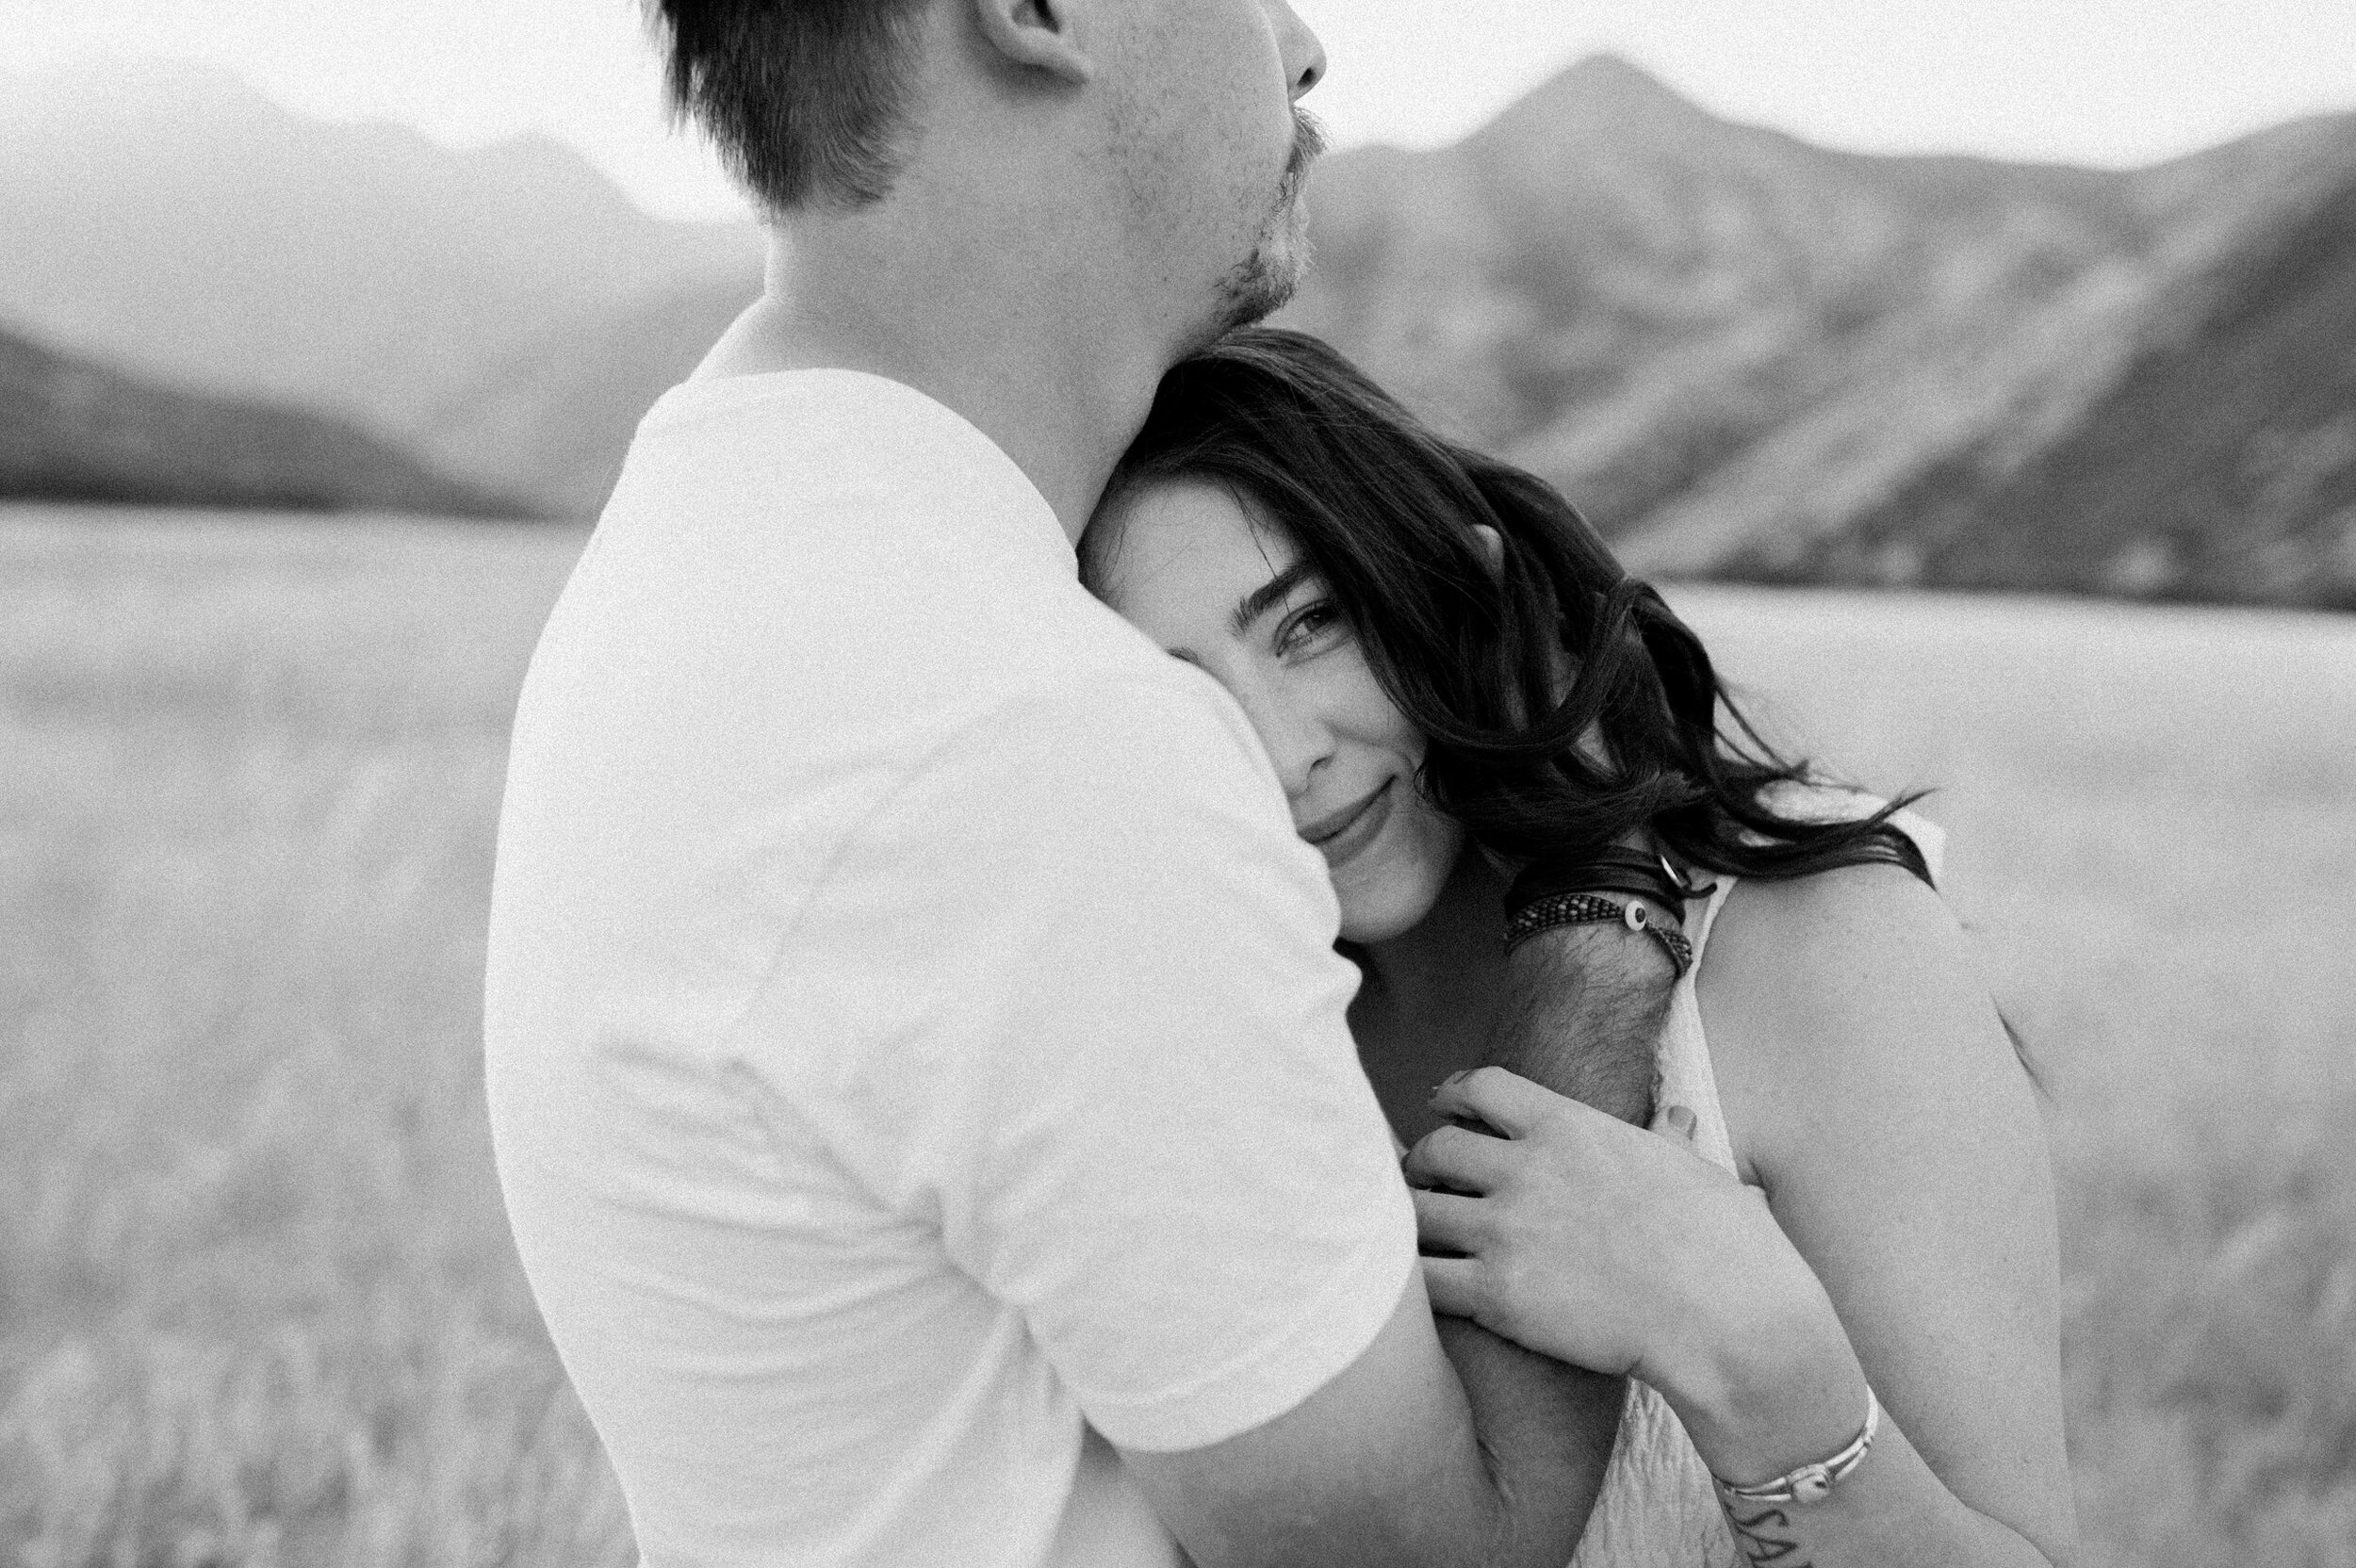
{"x": 823, "y": 523}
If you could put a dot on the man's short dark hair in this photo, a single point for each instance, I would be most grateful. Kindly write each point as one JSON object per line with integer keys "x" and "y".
{"x": 804, "y": 97}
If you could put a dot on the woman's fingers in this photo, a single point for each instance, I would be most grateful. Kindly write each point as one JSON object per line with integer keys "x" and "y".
{"x": 1506, "y": 1100}
{"x": 1448, "y": 1221}
{"x": 1676, "y": 1124}
{"x": 1458, "y": 1158}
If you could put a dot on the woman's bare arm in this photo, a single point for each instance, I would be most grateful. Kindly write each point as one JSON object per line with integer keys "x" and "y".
{"x": 1871, "y": 1090}
{"x": 1906, "y": 1160}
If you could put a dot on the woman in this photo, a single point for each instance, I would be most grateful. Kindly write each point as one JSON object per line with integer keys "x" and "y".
{"x": 1453, "y": 677}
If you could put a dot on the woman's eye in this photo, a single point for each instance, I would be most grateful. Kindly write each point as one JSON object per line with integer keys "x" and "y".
{"x": 1310, "y": 629}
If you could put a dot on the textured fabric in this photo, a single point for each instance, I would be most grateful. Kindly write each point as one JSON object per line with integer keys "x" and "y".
{"x": 916, "y": 1053}
{"x": 1657, "y": 1508}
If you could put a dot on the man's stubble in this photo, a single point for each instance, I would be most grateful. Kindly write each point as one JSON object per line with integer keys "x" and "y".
{"x": 1265, "y": 281}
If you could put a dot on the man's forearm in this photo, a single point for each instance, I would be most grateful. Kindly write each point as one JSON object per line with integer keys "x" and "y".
{"x": 1584, "y": 1007}
{"x": 1583, "y": 1012}
{"x": 1546, "y": 1431}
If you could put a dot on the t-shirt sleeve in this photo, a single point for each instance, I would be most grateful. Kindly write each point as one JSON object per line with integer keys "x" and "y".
{"x": 1103, "y": 1048}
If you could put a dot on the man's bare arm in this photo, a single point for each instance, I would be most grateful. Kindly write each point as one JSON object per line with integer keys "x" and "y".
{"x": 1395, "y": 1463}
{"x": 1583, "y": 1010}
{"x": 1533, "y": 1436}
{"x": 1583, "y": 1013}
{"x": 1544, "y": 1427}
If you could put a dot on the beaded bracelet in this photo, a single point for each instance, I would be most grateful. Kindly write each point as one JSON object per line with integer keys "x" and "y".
{"x": 1555, "y": 910}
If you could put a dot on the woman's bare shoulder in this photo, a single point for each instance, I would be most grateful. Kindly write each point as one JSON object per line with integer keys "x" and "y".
{"x": 1859, "y": 936}
{"x": 1846, "y": 998}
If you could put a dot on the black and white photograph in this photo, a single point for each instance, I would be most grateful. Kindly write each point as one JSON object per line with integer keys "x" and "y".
{"x": 1177, "y": 784}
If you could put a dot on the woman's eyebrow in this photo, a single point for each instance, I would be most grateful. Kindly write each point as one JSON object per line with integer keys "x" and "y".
{"x": 1266, "y": 596}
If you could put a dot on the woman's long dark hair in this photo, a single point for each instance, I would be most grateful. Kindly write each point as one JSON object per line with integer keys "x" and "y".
{"x": 1383, "y": 509}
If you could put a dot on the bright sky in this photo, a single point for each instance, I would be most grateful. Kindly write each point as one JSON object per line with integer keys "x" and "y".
{"x": 2098, "y": 81}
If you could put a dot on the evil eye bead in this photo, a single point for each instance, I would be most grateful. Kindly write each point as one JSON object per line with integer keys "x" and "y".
{"x": 1810, "y": 1483}
{"x": 1635, "y": 916}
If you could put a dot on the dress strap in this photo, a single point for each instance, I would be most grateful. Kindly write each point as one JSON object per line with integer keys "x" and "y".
{"x": 1700, "y": 936}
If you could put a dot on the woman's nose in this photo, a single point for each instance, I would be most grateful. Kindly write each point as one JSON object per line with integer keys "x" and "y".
{"x": 1296, "y": 737}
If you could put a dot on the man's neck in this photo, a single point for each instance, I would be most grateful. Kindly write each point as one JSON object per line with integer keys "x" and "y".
{"x": 1025, "y": 351}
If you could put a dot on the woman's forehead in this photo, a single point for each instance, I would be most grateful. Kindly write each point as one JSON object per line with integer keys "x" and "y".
{"x": 1198, "y": 529}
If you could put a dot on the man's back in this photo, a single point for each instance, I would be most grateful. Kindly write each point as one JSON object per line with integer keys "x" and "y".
{"x": 874, "y": 913}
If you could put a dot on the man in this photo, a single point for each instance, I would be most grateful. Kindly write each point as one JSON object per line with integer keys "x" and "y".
{"x": 916, "y": 1051}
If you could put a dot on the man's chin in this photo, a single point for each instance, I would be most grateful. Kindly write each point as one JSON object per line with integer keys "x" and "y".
{"x": 1264, "y": 282}
{"x": 1253, "y": 293}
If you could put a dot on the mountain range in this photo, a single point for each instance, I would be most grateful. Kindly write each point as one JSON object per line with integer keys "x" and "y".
{"x": 1742, "y": 354}
{"x": 73, "y": 430}
{"x": 1747, "y": 356}
{"x": 165, "y": 217}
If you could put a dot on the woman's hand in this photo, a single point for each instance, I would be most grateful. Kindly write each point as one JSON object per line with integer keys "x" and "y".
{"x": 1622, "y": 1251}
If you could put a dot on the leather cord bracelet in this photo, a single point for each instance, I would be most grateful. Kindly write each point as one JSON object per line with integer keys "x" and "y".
{"x": 1557, "y": 909}
{"x": 1812, "y": 1483}
{"x": 1611, "y": 870}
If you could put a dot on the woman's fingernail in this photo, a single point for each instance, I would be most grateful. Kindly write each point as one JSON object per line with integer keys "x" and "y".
{"x": 1450, "y": 1080}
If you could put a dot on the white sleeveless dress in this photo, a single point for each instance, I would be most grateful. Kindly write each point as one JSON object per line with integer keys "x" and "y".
{"x": 1657, "y": 1508}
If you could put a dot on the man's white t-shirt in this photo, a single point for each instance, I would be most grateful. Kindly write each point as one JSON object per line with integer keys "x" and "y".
{"x": 915, "y": 1043}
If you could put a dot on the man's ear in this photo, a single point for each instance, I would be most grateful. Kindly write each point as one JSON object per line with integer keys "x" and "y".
{"x": 1038, "y": 35}
{"x": 1492, "y": 547}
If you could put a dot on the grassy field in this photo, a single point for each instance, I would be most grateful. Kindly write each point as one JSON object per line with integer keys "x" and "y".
{"x": 257, "y": 1303}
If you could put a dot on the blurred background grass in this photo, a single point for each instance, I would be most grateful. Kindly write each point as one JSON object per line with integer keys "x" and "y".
{"x": 2152, "y": 832}
{"x": 257, "y": 1302}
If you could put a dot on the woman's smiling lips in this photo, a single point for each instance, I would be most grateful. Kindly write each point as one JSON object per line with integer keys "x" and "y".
{"x": 1346, "y": 832}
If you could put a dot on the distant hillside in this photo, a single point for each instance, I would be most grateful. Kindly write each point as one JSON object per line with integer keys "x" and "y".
{"x": 1747, "y": 356}
{"x": 170, "y": 219}
{"x": 2220, "y": 462}
{"x": 553, "y": 414}
{"x": 70, "y": 430}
